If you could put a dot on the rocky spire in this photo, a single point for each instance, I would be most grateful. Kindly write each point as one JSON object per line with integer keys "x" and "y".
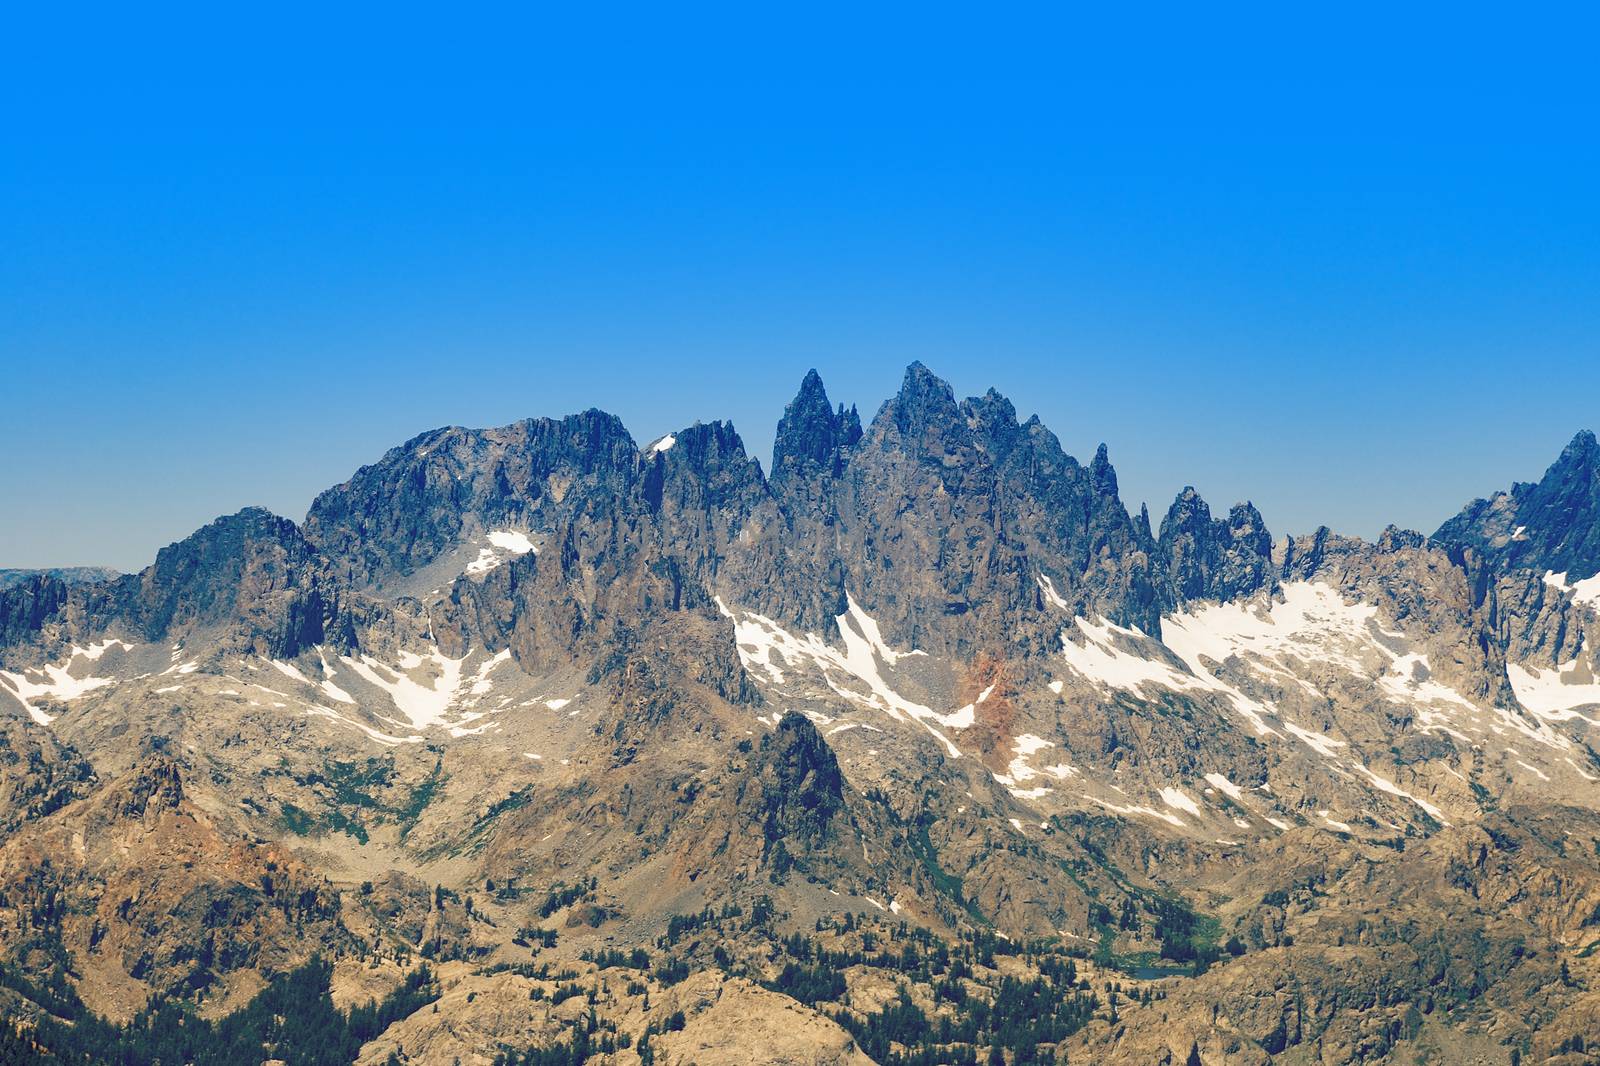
{"x": 1210, "y": 558}
{"x": 1101, "y": 473}
{"x": 812, "y": 436}
{"x": 925, "y": 413}
{"x": 1188, "y": 544}
{"x": 994, "y": 421}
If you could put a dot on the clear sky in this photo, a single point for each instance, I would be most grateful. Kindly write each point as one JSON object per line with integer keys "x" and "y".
{"x": 1345, "y": 263}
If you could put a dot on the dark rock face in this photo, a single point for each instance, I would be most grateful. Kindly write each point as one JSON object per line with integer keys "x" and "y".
{"x": 796, "y": 789}
{"x": 1551, "y": 525}
{"x": 252, "y": 571}
{"x": 812, "y": 437}
{"x": 650, "y": 540}
{"x": 38, "y": 773}
{"x": 27, "y": 605}
{"x": 1444, "y": 594}
{"x": 1210, "y": 558}
{"x": 785, "y": 806}
{"x": 424, "y": 496}
{"x": 249, "y": 579}
{"x": 1508, "y": 542}
{"x": 943, "y": 518}
{"x": 150, "y": 788}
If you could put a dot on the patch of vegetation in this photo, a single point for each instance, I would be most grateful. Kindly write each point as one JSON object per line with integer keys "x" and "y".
{"x": 637, "y": 959}
{"x": 333, "y": 820}
{"x": 356, "y": 800}
{"x": 947, "y": 884}
{"x": 808, "y": 983}
{"x": 564, "y": 895}
{"x": 421, "y": 796}
{"x": 292, "y": 1019}
{"x": 590, "y": 1036}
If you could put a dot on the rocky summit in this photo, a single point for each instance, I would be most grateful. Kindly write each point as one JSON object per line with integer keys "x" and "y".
{"x": 539, "y": 744}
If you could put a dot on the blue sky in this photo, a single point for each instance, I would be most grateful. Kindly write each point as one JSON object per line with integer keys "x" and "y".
{"x": 1342, "y": 264}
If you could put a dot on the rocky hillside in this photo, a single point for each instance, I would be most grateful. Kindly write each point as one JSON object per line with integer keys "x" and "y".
{"x": 922, "y": 748}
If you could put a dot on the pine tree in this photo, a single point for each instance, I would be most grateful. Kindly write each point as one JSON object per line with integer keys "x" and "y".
{"x": 1194, "y": 1055}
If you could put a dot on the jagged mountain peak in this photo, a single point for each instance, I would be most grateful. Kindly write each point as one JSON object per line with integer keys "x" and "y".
{"x": 1394, "y": 539}
{"x": 253, "y": 572}
{"x": 812, "y": 436}
{"x": 993, "y": 420}
{"x": 248, "y": 579}
{"x": 1552, "y": 525}
{"x": 924, "y": 405}
{"x": 67, "y": 575}
{"x": 245, "y": 526}
{"x": 807, "y": 785}
{"x": 1214, "y": 558}
{"x": 1102, "y": 474}
{"x": 1244, "y": 516}
{"x": 699, "y": 442}
{"x": 1583, "y": 446}
{"x": 811, "y": 389}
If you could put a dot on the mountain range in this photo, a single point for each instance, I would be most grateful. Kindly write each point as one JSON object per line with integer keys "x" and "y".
{"x": 920, "y": 748}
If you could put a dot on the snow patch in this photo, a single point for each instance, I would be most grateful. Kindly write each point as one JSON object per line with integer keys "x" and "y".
{"x": 1343, "y": 827}
{"x": 1103, "y": 661}
{"x": 1019, "y": 771}
{"x": 1586, "y": 591}
{"x": 316, "y": 710}
{"x": 423, "y": 702}
{"x": 510, "y": 541}
{"x": 1556, "y": 694}
{"x": 763, "y": 644}
{"x": 55, "y": 682}
{"x": 1051, "y": 596}
{"x": 1177, "y": 799}
{"x": 1223, "y": 785}
{"x": 1383, "y": 784}
{"x": 1171, "y": 819}
{"x": 1322, "y": 744}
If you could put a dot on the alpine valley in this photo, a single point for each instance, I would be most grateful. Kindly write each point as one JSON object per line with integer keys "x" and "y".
{"x": 534, "y": 745}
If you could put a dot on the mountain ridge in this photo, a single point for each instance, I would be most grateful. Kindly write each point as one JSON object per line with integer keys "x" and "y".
{"x": 530, "y": 695}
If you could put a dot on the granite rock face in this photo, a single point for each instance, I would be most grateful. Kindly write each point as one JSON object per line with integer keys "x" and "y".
{"x": 424, "y": 496}
{"x": 28, "y": 604}
{"x": 1215, "y": 559}
{"x": 1549, "y": 525}
{"x": 249, "y": 580}
{"x": 945, "y": 519}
